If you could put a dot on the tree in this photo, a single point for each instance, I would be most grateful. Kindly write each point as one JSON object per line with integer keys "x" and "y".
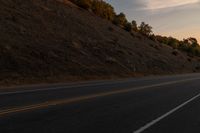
{"x": 173, "y": 42}
{"x": 162, "y": 39}
{"x": 134, "y": 25}
{"x": 145, "y": 29}
{"x": 128, "y": 27}
{"x": 103, "y": 10}
{"x": 191, "y": 46}
{"x": 193, "y": 42}
{"x": 120, "y": 20}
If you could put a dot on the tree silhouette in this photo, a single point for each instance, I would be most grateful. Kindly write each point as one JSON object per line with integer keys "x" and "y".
{"x": 145, "y": 29}
{"x": 134, "y": 25}
{"x": 120, "y": 20}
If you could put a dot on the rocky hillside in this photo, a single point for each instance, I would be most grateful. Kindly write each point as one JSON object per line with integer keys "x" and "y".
{"x": 54, "y": 40}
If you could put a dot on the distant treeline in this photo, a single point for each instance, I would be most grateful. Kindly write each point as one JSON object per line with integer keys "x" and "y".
{"x": 189, "y": 45}
{"x": 106, "y": 11}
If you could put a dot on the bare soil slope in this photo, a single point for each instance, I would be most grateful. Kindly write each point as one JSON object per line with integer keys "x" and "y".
{"x": 54, "y": 40}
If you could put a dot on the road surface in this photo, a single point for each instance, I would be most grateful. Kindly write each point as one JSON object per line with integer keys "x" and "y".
{"x": 164, "y": 104}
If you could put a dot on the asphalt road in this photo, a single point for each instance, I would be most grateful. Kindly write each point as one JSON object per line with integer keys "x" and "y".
{"x": 165, "y": 104}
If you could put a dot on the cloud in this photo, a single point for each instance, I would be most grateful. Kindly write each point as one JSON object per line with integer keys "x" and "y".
{"x": 150, "y": 4}
{"x": 178, "y": 18}
{"x": 160, "y": 4}
{"x": 128, "y": 4}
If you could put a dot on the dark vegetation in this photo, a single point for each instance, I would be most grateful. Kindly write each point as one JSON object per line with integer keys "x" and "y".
{"x": 106, "y": 11}
{"x": 189, "y": 45}
{"x": 58, "y": 41}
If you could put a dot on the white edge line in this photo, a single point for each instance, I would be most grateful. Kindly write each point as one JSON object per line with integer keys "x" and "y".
{"x": 148, "y": 125}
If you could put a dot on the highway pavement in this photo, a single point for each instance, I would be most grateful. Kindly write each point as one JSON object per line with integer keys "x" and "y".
{"x": 156, "y": 104}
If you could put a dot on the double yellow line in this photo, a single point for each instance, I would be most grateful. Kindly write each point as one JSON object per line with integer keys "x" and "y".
{"x": 82, "y": 98}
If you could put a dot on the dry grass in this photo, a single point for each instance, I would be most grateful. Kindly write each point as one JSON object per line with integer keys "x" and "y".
{"x": 52, "y": 41}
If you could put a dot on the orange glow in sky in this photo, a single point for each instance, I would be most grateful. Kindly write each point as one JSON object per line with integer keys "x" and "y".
{"x": 177, "y": 18}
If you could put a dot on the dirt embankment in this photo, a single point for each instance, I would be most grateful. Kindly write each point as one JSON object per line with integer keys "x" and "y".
{"x": 49, "y": 40}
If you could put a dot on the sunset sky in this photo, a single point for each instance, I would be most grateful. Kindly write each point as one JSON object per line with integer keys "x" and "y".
{"x": 177, "y": 18}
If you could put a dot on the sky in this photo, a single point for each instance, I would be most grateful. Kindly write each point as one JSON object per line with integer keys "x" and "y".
{"x": 176, "y": 18}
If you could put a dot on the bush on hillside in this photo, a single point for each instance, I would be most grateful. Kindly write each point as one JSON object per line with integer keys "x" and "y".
{"x": 131, "y": 26}
{"x": 103, "y": 10}
{"x": 191, "y": 46}
{"x": 173, "y": 42}
{"x": 128, "y": 27}
{"x": 145, "y": 29}
{"x": 134, "y": 26}
{"x": 120, "y": 20}
{"x": 100, "y": 8}
{"x": 161, "y": 39}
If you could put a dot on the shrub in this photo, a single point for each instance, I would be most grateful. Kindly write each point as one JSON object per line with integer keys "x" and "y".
{"x": 161, "y": 39}
{"x": 103, "y": 10}
{"x": 131, "y": 26}
{"x": 145, "y": 29}
{"x": 190, "y": 46}
{"x": 152, "y": 37}
{"x": 174, "y": 43}
{"x": 120, "y": 20}
{"x": 128, "y": 27}
{"x": 134, "y": 25}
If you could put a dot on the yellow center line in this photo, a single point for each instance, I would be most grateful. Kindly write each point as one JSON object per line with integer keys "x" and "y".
{"x": 81, "y": 98}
